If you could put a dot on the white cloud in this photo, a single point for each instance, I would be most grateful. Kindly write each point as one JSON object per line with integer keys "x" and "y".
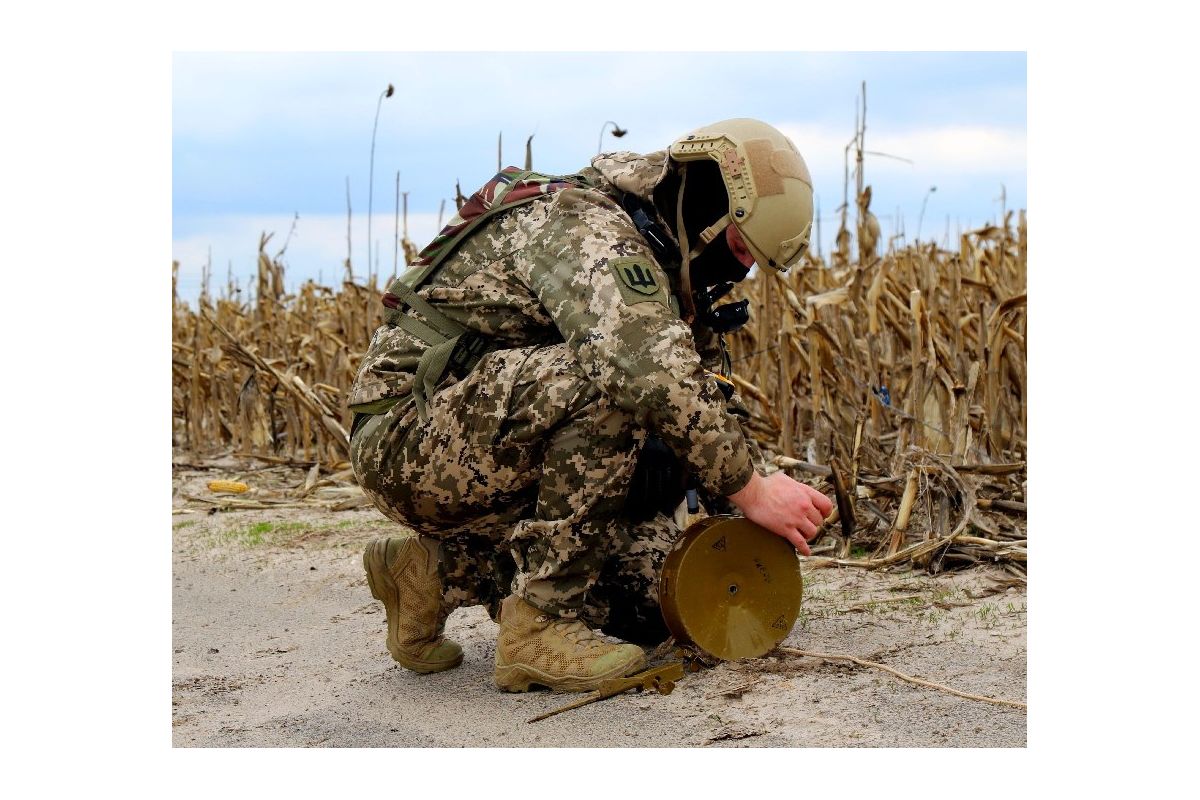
{"x": 967, "y": 163}
{"x": 956, "y": 149}
{"x": 976, "y": 149}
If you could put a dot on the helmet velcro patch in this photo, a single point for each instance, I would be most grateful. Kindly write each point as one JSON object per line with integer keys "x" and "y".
{"x": 789, "y": 164}
{"x": 767, "y": 180}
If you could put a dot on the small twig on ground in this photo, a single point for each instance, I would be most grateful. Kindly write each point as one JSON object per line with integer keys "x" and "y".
{"x": 351, "y": 503}
{"x": 991, "y": 469}
{"x": 917, "y": 681}
{"x": 277, "y": 460}
{"x": 225, "y": 503}
{"x": 1002, "y": 505}
{"x": 732, "y": 691}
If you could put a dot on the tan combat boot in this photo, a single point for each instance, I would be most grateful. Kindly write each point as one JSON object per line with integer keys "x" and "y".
{"x": 402, "y": 572}
{"x": 561, "y": 654}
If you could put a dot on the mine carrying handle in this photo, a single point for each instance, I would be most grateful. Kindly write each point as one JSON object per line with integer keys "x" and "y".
{"x": 660, "y": 679}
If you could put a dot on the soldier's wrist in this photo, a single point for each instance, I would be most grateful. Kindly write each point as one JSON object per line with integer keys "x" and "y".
{"x": 747, "y": 494}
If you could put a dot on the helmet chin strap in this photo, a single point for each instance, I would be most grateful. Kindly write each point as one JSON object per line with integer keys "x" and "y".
{"x": 706, "y": 237}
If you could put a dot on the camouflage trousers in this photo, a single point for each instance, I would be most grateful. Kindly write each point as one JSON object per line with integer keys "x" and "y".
{"x": 521, "y": 472}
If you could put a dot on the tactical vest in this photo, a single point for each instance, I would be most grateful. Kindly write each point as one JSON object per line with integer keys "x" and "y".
{"x": 451, "y": 346}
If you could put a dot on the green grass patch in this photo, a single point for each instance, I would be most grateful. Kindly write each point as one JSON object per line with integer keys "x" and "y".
{"x": 987, "y": 615}
{"x": 187, "y": 523}
{"x": 282, "y": 534}
{"x": 265, "y": 533}
{"x": 346, "y": 533}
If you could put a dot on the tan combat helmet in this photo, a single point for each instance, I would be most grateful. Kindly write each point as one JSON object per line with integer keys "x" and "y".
{"x": 770, "y": 189}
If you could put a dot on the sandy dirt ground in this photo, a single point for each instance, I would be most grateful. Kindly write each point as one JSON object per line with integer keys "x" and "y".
{"x": 277, "y": 642}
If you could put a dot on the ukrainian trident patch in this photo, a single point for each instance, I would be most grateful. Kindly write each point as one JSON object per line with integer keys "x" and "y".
{"x": 639, "y": 280}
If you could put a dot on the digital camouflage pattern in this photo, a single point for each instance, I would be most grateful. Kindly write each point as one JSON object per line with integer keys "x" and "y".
{"x": 522, "y": 467}
{"x": 505, "y": 187}
{"x": 521, "y": 472}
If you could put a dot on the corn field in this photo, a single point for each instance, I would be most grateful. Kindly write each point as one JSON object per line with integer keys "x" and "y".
{"x": 269, "y": 379}
{"x": 897, "y": 382}
{"x": 901, "y": 381}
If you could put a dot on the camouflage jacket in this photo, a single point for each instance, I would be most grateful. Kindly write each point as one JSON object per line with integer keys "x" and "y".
{"x": 572, "y": 267}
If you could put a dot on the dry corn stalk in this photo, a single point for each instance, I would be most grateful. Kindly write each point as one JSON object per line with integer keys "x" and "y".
{"x": 268, "y": 376}
{"x": 918, "y": 353}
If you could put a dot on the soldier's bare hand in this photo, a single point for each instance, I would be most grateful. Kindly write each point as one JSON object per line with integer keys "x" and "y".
{"x": 785, "y": 507}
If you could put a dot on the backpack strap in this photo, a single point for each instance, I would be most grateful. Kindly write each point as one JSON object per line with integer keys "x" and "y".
{"x": 436, "y": 328}
{"x": 452, "y": 345}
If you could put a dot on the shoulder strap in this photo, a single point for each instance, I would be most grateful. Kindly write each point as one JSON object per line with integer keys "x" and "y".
{"x": 436, "y": 328}
{"x": 509, "y": 188}
{"x": 449, "y": 342}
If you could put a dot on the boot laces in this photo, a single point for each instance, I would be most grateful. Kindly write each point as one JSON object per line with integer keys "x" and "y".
{"x": 577, "y": 633}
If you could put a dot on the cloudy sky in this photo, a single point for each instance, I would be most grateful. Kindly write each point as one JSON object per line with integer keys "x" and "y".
{"x": 260, "y": 138}
{"x": 254, "y": 139}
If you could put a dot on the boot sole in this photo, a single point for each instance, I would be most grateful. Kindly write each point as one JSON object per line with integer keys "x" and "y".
{"x": 385, "y": 590}
{"x": 520, "y": 677}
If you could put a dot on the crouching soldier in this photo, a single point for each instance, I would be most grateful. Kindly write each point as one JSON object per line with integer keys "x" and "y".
{"x": 549, "y": 371}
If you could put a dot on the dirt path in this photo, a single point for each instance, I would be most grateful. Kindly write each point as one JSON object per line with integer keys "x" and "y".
{"x": 277, "y": 642}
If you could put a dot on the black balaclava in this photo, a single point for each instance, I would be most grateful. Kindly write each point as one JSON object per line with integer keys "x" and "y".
{"x": 705, "y": 200}
{"x": 717, "y": 264}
